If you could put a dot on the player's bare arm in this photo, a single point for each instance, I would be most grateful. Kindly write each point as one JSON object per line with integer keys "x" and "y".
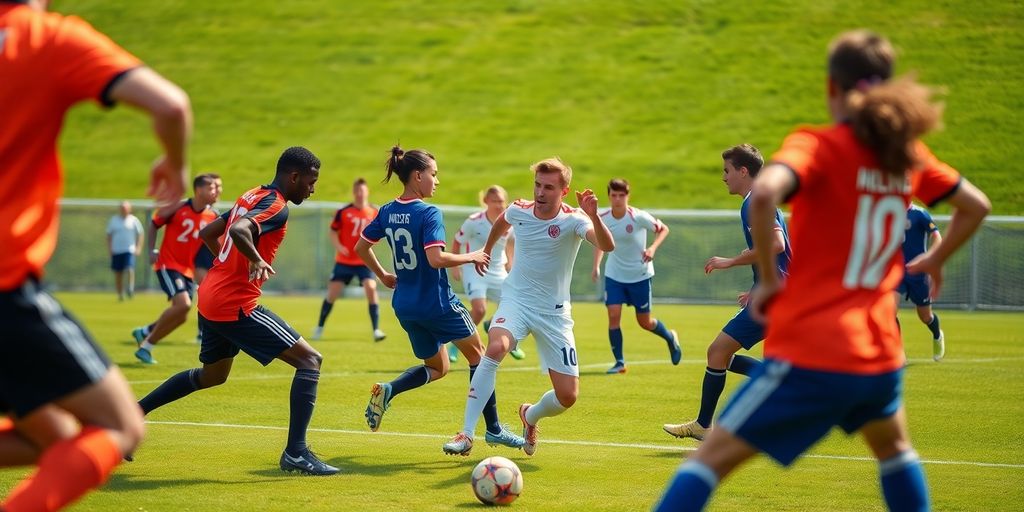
{"x": 500, "y": 227}
{"x": 658, "y": 239}
{"x": 211, "y": 234}
{"x": 243, "y": 233}
{"x": 745, "y": 257}
{"x": 442, "y": 259}
{"x": 599, "y": 236}
{"x": 365, "y": 251}
{"x": 773, "y": 183}
{"x": 510, "y": 252}
{"x": 595, "y": 272}
{"x": 456, "y": 271}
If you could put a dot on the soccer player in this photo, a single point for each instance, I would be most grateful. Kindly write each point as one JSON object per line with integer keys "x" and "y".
{"x": 69, "y": 411}
{"x": 833, "y": 355}
{"x": 423, "y": 300}
{"x": 245, "y": 240}
{"x": 174, "y": 262}
{"x": 348, "y": 223}
{"x": 203, "y": 260}
{"x": 740, "y": 165}
{"x": 535, "y": 297}
{"x": 920, "y": 234}
{"x": 473, "y": 233}
{"x": 124, "y": 241}
{"x": 629, "y": 271}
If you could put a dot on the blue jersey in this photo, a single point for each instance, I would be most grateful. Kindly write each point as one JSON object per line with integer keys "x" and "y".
{"x": 919, "y": 227}
{"x": 782, "y": 261}
{"x": 410, "y": 227}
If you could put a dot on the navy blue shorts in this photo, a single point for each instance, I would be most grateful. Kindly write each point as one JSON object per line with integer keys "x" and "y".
{"x": 915, "y": 289}
{"x": 427, "y": 335}
{"x": 173, "y": 282}
{"x": 262, "y": 334}
{"x": 345, "y": 273}
{"x": 783, "y": 410}
{"x": 744, "y": 329}
{"x": 636, "y": 294}
{"x": 204, "y": 258}
{"x": 122, "y": 260}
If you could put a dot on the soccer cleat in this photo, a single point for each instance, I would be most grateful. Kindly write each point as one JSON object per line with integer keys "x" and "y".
{"x": 939, "y": 346}
{"x": 518, "y": 353}
{"x": 307, "y": 463}
{"x": 380, "y": 395}
{"x": 378, "y": 335}
{"x": 318, "y": 332}
{"x": 505, "y": 438}
{"x": 453, "y": 353}
{"x": 675, "y": 349}
{"x": 139, "y": 334}
{"x": 145, "y": 356}
{"x": 529, "y": 431}
{"x": 618, "y": 368}
{"x": 689, "y": 429}
{"x": 461, "y": 444}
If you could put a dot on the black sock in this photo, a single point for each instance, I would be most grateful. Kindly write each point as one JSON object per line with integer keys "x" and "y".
{"x": 743, "y": 365}
{"x": 934, "y": 326}
{"x": 490, "y": 408}
{"x": 410, "y": 379}
{"x": 302, "y": 400}
{"x": 178, "y": 386}
{"x": 374, "y": 315}
{"x": 714, "y": 383}
{"x": 325, "y": 309}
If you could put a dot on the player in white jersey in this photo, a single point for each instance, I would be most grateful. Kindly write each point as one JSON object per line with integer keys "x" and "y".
{"x": 628, "y": 273}
{"x": 472, "y": 236}
{"x": 535, "y": 297}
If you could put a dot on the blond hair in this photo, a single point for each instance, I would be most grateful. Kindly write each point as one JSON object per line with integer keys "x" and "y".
{"x": 494, "y": 189}
{"x": 553, "y": 165}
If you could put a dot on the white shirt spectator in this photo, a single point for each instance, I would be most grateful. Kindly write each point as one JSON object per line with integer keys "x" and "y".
{"x": 124, "y": 233}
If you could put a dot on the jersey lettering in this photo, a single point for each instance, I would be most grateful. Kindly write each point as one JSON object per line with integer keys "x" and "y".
{"x": 876, "y": 222}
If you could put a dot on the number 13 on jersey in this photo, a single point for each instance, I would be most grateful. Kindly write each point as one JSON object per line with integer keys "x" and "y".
{"x": 401, "y": 246}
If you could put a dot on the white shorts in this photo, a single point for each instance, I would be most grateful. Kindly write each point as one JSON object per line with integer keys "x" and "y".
{"x": 482, "y": 287}
{"x": 556, "y": 344}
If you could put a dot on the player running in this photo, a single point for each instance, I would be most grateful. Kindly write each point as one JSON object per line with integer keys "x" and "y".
{"x": 920, "y": 234}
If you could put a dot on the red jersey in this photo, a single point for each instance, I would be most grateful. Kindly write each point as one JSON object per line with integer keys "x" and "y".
{"x": 181, "y": 237}
{"x": 348, "y": 224}
{"x": 227, "y": 287}
{"x": 48, "y": 63}
{"x": 837, "y": 312}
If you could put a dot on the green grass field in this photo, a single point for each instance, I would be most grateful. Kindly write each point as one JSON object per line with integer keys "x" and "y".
{"x": 218, "y": 449}
{"x": 652, "y": 90}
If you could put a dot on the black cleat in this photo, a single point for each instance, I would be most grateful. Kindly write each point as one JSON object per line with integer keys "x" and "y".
{"x": 307, "y": 464}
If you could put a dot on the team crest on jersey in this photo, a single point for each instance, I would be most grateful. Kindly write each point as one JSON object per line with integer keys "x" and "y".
{"x": 499, "y": 320}
{"x": 629, "y": 228}
{"x": 553, "y": 231}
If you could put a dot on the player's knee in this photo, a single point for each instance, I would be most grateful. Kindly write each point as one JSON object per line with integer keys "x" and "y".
{"x": 478, "y": 312}
{"x": 646, "y": 322}
{"x": 208, "y": 379}
{"x": 718, "y": 357}
{"x": 567, "y": 397}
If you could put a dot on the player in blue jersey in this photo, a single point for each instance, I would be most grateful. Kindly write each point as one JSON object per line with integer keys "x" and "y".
{"x": 921, "y": 233}
{"x": 740, "y": 165}
{"x": 423, "y": 300}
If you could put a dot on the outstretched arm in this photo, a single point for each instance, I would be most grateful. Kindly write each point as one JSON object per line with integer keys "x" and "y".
{"x": 365, "y": 251}
{"x": 439, "y": 258}
{"x": 658, "y": 239}
{"x": 500, "y": 227}
{"x": 599, "y": 235}
{"x": 745, "y": 257}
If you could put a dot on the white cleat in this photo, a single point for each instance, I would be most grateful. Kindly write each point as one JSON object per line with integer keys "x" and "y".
{"x": 378, "y": 335}
{"x": 318, "y": 332}
{"x": 939, "y": 347}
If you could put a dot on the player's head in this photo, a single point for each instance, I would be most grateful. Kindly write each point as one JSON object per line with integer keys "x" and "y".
{"x": 360, "y": 191}
{"x": 618, "y": 192}
{"x": 494, "y": 197}
{"x": 416, "y": 169}
{"x": 207, "y": 187}
{"x": 740, "y": 165}
{"x": 886, "y": 115}
{"x": 551, "y": 178}
{"x": 297, "y": 172}
{"x": 126, "y": 208}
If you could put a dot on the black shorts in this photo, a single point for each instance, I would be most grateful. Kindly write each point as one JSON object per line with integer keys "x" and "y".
{"x": 173, "y": 282}
{"x": 45, "y": 354}
{"x": 262, "y": 334}
{"x": 345, "y": 273}
{"x": 204, "y": 258}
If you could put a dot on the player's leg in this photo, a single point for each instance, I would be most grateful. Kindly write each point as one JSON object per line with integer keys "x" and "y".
{"x": 119, "y": 283}
{"x": 186, "y": 382}
{"x": 373, "y": 305}
{"x": 130, "y": 290}
{"x": 556, "y": 345}
{"x": 483, "y": 382}
{"x": 426, "y": 346}
{"x": 645, "y": 320}
{"x": 695, "y": 480}
{"x": 615, "y": 338}
{"x": 930, "y": 319}
{"x": 334, "y": 287}
{"x": 496, "y": 432}
{"x": 903, "y": 481}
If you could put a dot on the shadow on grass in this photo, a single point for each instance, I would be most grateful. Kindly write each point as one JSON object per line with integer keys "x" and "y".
{"x": 127, "y": 482}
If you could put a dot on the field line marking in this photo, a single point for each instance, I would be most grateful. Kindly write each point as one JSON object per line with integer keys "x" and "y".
{"x": 639, "y": 446}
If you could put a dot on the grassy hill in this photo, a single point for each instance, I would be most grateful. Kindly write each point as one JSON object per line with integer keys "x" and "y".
{"x": 650, "y": 90}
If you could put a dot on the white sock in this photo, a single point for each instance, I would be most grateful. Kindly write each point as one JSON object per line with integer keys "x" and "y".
{"x": 480, "y": 390}
{"x": 547, "y": 406}
{"x": 147, "y": 345}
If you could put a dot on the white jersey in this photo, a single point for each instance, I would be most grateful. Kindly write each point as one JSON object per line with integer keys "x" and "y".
{"x": 473, "y": 236}
{"x": 124, "y": 232}
{"x": 545, "y": 252}
{"x": 626, "y": 263}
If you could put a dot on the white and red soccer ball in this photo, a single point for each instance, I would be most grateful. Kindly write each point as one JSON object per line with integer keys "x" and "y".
{"x": 497, "y": 481}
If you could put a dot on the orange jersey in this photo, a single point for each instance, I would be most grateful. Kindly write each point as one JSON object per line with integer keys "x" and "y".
{"x": 227, "y": 288}
{"x": 348, "y": 224}
{"x": 48, "y": 63}
{"x": 837, "y": 312}
{"x": 181, "y": 238}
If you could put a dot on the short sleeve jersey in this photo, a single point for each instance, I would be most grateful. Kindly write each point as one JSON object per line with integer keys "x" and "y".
{"x": 348, "y": 223}
{"x": 836, "y": 312}
{"x": 227, "y": 289}
{"x": 473, "y": 236}
{"x": 411, "y": 227}
{"x": 545, "y": 253}
{"x": 48, "y": 62}
{"x": 124, "y": 233}
{"x": 783, "y": 258}
{"x": 626, "y": 263}
{"x": 181, "y": 237}
{"x": 919, "y": 227}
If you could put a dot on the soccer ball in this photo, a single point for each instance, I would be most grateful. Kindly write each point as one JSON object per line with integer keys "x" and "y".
{"x": 497, "y": 481}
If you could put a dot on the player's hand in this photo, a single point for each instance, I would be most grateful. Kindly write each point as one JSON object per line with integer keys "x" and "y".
{"x": 716, "y": 263}
{"x": 760, "y": 297}
{"x": 587, "y": 201}
{"x": 595, "y": 274}
{"x": 389, "y": 280}
{"x": 167, "y": 183}
{"x": 743, "y": 299}
{"x": 649, "y": 255}
{"x": 260, "y": 271}
{"x": 154, "y": 254}
{"x": 457, "y": 273}
{"x": 924, "y": 264}
{"x": 482, "y": 266}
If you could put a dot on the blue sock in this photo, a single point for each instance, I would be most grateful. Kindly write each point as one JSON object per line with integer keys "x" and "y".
{"x": 375, "y": 315}
{"x": 743, "y": 365}
{"x": 410, "y": 379}
{"x": 615, "y": 336}
{"x": 689, "y": 490}
{"x": 178, "y": 386}
{"x": 490, "y": 408}
{"x": 302, "y": 399}
{"x": 662, "y": 331}
{"x": 325, "y": 309}
{"x": 934, "y": 326}
{"x": 903, "y": 482}
{"x": 714, "y": 383}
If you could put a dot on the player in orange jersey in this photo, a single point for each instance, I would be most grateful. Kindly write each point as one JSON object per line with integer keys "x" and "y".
{"x": 346, "y": 227}
{"x": 174, "y": 263}
{"x": 69, "y": 411}
{"x": 833, "y": 354}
